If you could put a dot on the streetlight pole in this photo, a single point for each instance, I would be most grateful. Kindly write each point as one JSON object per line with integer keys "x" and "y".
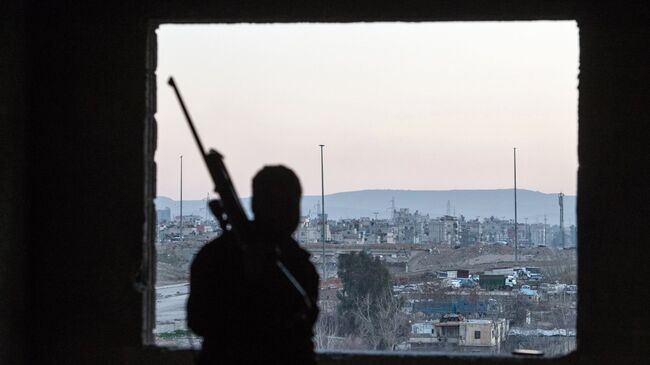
{"x": 516, "y": 239}
{"x": 561, "y": 201}
{"x": 322, "y": 217}
{"x": 181, "y": 223}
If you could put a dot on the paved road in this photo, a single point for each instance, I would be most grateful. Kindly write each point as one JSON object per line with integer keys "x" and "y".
{"x": 170, "y": 307}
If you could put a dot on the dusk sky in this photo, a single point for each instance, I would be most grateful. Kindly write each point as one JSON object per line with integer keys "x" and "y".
{"x": 421, "y": 106}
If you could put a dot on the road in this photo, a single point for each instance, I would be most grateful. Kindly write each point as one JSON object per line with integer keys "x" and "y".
{"x": 170, "y": 307}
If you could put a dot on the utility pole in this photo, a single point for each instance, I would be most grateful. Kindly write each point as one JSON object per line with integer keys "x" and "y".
{"x": 181, "y": 223}
{"x": 322, "y": 217}
{"x": 561, "y": 202}
{"x": 207, "y": 205}
{"x": 516, "y": 241}
{"x": 544, "y": 230}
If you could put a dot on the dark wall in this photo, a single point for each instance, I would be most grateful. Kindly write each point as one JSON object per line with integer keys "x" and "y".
{"x": 613, "y": 194}
{"x": 12, "y": 204}
{"x": 74, "y": 110}
{"x": 85, "y": 171}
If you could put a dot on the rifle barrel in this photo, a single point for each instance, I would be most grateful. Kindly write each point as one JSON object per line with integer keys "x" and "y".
{"x": 229, "y": 202}
{"x": 187, "y": 116}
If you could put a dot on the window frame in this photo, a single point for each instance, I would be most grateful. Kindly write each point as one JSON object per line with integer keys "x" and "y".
{"x": 563, "y": 11}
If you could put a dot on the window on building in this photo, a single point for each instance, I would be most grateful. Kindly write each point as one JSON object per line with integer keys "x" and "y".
{"x": 419, "y": 122}
{"x": 477, "y": 335}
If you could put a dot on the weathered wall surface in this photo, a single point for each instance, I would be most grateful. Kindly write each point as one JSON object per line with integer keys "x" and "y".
{"x": 87, "y": 113}
{"x": 77, "y": 75}
{"x": 613, "y": 198}
{"x": 12, "y": 203}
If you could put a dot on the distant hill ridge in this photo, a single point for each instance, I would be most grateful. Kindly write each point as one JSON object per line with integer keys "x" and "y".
{"x": 531, "y": 205}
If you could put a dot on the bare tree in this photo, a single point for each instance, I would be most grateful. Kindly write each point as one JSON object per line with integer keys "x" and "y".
{"x": 326, "y": 329}
{"x": 380, "y": 323}
{"x": 364, "y": 316}
{"x": 390, "y": 321}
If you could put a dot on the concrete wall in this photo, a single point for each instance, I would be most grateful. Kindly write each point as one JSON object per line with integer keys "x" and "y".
{"x": 13, "y": 202}
{"x": 485, "y": 339}
{"x": 74, "y": 111}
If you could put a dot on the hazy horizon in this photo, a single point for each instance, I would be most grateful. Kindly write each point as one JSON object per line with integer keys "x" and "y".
{"x": 398, "y": 106}
{"x": 533, "y": 206}
{"x": 379, "y": 189}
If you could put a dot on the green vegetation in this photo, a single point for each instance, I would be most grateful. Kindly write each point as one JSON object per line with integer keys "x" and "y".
{"x": 367, "y": 307}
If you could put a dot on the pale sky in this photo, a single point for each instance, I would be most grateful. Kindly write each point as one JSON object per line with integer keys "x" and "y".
{"x": 421, "y": 106}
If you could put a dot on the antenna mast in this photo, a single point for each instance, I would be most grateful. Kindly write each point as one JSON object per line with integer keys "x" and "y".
{"x": 181, "y": 223}
{"x": 561, "y": 202}
{"x": 322, "y": 217}
{"x": 516, "y": 238}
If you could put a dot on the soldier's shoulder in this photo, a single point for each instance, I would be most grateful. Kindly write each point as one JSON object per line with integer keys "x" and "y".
{"x": 296, "y": 250}
{"x": 218, "y": 247}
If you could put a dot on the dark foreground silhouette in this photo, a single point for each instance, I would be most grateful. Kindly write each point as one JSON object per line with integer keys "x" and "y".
{"x": 240, "y": 302}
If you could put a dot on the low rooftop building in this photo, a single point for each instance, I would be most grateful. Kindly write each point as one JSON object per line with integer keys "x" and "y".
{"x": 455, "y": 329}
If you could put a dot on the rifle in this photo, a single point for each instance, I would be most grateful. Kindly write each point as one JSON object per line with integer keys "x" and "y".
{"x": 227, "y": 209}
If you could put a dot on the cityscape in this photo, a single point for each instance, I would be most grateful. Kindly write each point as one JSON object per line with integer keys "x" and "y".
{"x": 459, "y": 285}
{"x": 403, "y": 115}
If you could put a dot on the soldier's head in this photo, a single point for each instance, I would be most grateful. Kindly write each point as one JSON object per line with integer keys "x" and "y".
{"x": 276, "y": 200}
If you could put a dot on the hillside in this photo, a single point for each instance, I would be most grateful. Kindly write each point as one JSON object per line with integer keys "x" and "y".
{"x": 532, "y": 205}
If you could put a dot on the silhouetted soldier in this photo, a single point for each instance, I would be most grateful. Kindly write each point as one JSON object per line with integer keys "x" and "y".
{"x": 240, "y": 302}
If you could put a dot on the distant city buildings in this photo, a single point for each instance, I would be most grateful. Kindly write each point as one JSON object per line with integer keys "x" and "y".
{"x": 404, "y": 226}
{"x": 169, "y": 231}
{"x": 450, "y": 303}
{"x": 410, "y": 227}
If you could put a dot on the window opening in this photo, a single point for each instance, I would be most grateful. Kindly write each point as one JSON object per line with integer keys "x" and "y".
{"x": 418, "y": 122}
